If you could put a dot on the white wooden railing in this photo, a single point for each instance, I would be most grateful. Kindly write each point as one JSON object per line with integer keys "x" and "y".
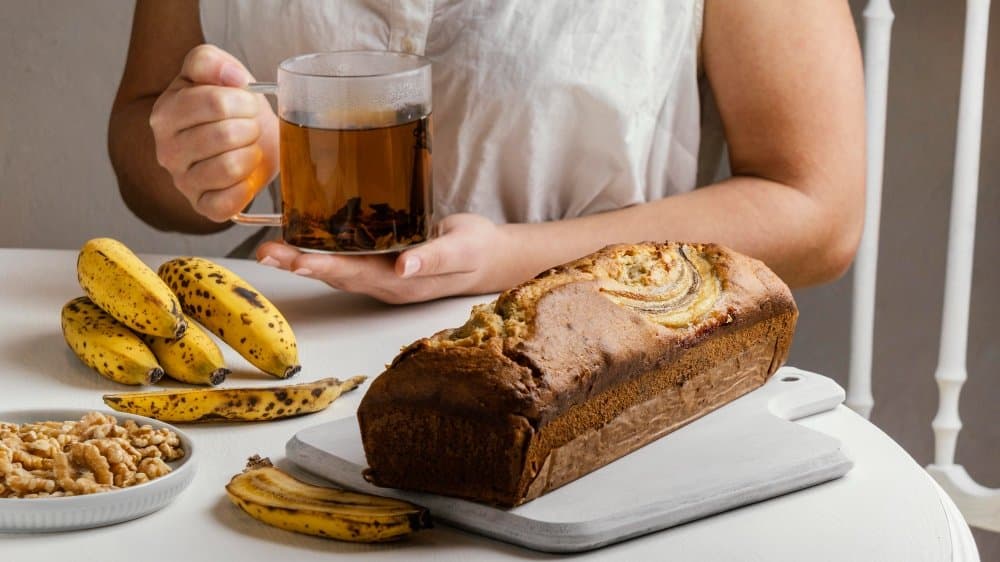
{"x": 979, "y": 505}
{"x": 878, "y": 33}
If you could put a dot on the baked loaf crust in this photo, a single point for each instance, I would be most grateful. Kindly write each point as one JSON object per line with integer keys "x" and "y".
{"x": 569, "y": 371}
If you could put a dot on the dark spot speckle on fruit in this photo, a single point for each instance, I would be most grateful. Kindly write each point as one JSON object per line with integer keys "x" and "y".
{"x": 249, "y": 296}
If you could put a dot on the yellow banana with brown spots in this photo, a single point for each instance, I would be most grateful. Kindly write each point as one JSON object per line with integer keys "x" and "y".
{"x": 120, "y": 283}
{"x": 193, "y": 358}
{"x": 235, "y": 311}
{"x": 276, "y": 498}
{"x": 233, "y": 404}
{"x": 106, "y": 345}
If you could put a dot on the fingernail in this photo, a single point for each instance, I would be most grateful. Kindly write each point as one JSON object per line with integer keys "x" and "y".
{"x": 232, "y": 75}
{"x": 411, "y": 266}
{"x": 305, "y": 272}
{"x": 269, "y": 261}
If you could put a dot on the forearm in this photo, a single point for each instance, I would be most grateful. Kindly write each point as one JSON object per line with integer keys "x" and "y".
{"x": 147, "y": 188}
{"x": 784, "y": 227}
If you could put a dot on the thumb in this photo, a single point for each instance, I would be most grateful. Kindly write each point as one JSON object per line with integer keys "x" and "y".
{"x": 449, "y": 253}
{"x": 234, "y": 75}
{"x": 208, "y": 64}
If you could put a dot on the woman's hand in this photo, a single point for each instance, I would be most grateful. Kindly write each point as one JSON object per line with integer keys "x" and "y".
{"x": 470, "y": 255}
{"x": 218, "y": 141}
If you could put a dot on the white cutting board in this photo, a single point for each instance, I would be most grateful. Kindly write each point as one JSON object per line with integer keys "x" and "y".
{"x": 744, "y": 452}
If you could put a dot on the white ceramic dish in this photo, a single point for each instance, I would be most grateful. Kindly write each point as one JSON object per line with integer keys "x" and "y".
{"x": 95, "y": 510}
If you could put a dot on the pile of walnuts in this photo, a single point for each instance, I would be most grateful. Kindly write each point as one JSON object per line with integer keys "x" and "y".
{"x": 95, "y": 454}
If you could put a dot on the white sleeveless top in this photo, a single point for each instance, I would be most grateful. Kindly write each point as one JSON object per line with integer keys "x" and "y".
{"x": 543, "y": 110}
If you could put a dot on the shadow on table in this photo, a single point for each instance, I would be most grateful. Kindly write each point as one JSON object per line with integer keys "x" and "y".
{"x": 428, "y": 543}
{"x": 331, "y": 305}
{"x": 340, "y": 306}
{"x": 46, "y": 354}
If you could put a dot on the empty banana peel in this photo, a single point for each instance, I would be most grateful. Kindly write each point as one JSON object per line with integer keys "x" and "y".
{"x": 233, "y": 404}
{"x": 275, "y": 497}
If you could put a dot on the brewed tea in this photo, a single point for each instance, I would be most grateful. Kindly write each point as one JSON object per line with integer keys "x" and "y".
{"x": 356, "y": 190}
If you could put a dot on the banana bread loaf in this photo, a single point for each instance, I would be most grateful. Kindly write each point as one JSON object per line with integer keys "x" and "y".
{"x": 569, "y": 371}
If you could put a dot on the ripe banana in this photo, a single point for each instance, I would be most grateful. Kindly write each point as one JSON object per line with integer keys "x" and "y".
{"x": 120, "y": 283}
{"x": 273, "y": 496}
{"x": 234, "y": 404}
{"x": 193, "y": 357}
{"x": 106, "y": 345}
{"x": 230, "y": 308}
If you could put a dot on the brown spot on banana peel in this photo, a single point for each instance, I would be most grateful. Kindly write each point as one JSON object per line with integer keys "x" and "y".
{"x": 249, "y": 296}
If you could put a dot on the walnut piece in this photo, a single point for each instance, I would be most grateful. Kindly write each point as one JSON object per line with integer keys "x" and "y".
{"x": 69, "y": 458}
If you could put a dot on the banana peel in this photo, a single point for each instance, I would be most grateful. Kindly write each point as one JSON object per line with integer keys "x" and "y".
{"x": 276, "y": 498}
{"x": 233, "y": 404}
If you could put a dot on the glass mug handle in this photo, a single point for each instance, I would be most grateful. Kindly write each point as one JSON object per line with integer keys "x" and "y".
{"x": 262, "y": 219}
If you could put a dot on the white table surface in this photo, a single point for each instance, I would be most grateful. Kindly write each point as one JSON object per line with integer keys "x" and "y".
{"x": 886, "y": 508}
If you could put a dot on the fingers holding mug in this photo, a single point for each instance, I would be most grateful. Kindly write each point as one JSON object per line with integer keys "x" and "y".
{"x": 218, "y": 141}
{"x": 221, "y": 186}
{"x": 176, "y": 110}
{"x": 185, "y": 136}
{"x": 220, "y": 205}
{"x": 203, "y": 142}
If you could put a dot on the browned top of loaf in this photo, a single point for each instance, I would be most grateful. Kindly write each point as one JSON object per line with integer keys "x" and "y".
{"x": 580, "y": 328}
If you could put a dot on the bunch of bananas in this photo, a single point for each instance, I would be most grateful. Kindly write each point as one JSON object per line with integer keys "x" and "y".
{"x": 273, "y": 496}
{"x": 134, "y": 325}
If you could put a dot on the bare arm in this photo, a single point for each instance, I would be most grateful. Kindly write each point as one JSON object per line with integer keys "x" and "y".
{"x": 788, "y": 81}
{"x": 162, "y": 34}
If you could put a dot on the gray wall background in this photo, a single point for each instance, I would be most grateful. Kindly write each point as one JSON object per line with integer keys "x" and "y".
{"x": 63, "y": 58}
